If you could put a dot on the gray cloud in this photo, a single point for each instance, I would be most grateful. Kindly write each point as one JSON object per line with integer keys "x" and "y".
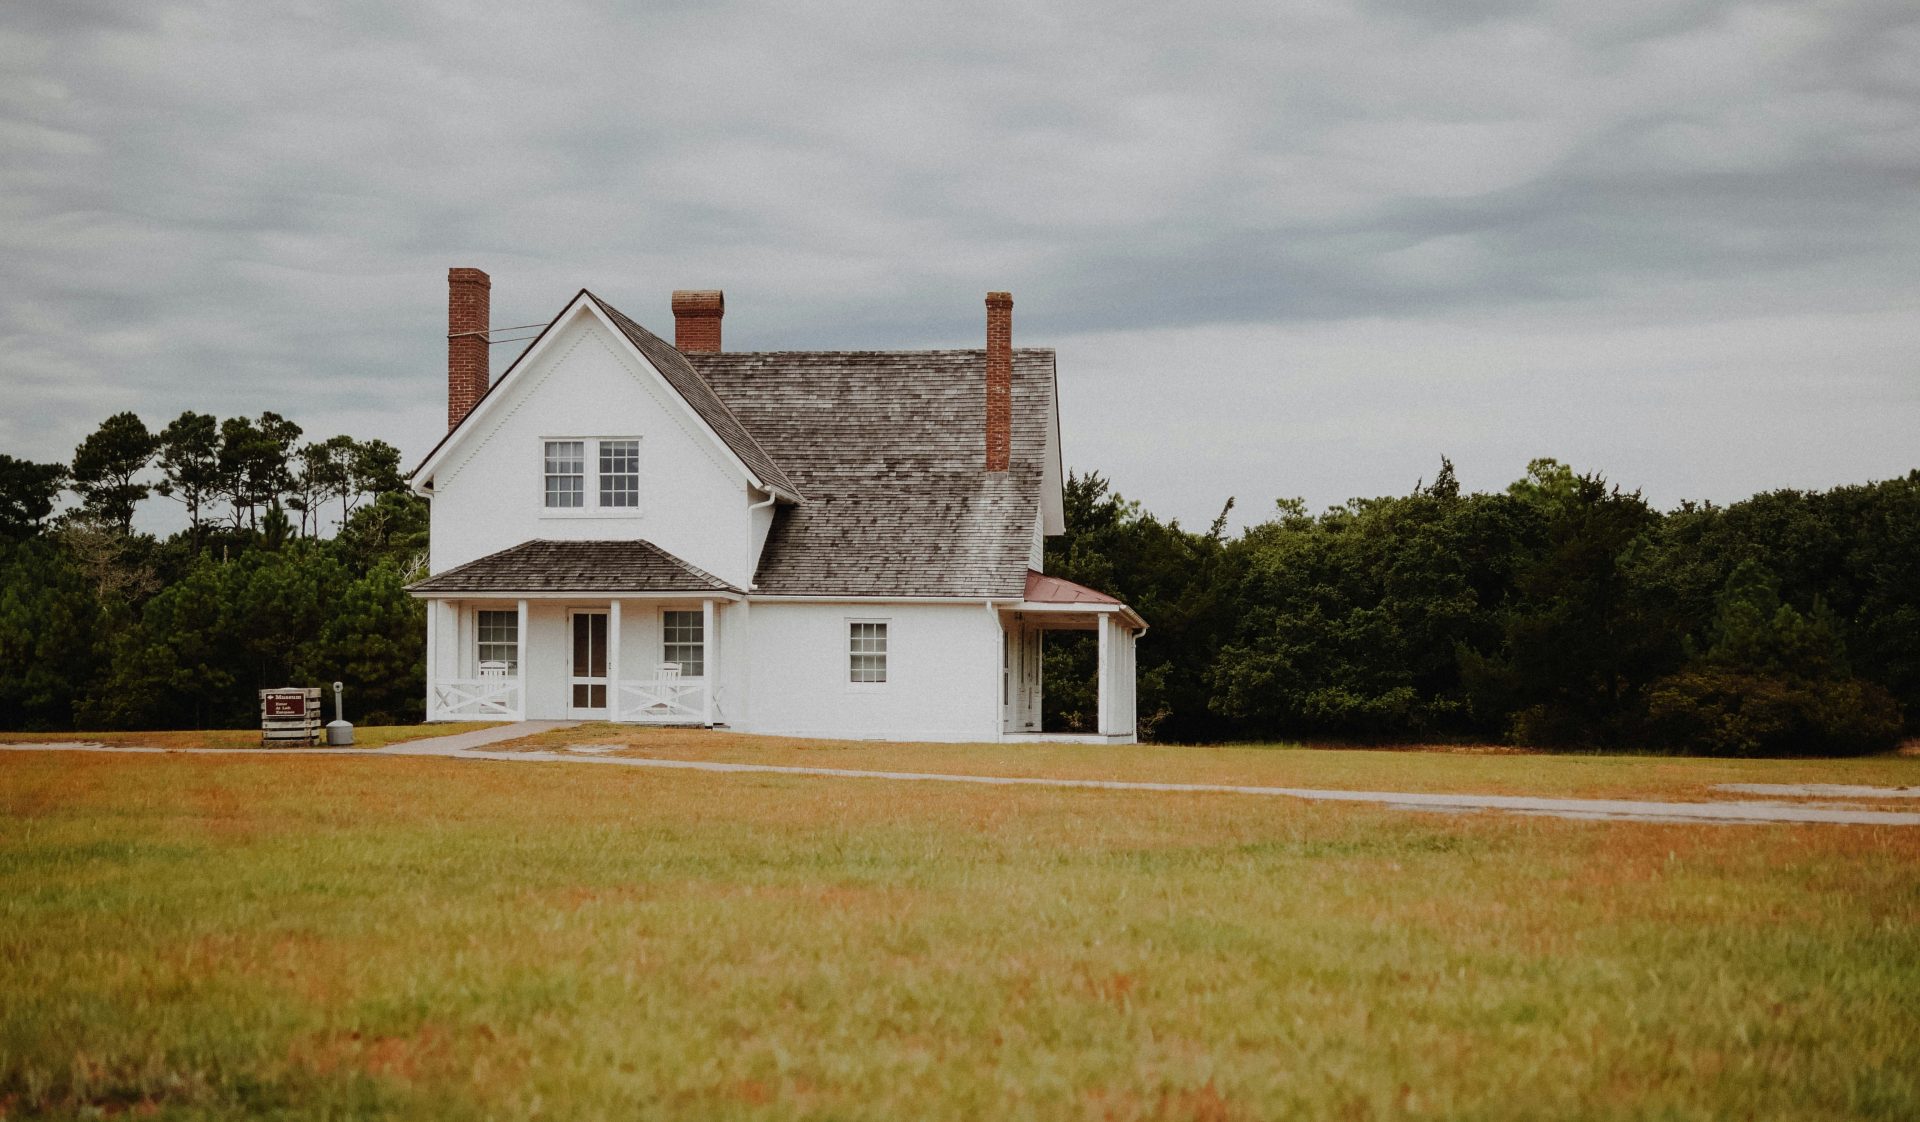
{"x": 1329, "y": 208}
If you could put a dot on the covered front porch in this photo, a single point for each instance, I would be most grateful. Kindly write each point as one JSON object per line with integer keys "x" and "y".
{"x": 631, "y": 658}
{"x": 1054, "y": 605}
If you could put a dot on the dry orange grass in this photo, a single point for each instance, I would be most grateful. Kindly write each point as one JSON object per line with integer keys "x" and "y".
{"x": 349, "y": 936}
{"x": 1440, "y": 769}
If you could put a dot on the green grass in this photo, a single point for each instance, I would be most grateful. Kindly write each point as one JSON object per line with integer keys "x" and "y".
{"x": 323, "y": 937}
{"x": 364, "y": 736}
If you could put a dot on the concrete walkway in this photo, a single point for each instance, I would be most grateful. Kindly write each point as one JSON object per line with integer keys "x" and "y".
{"x": 1616, "y": 809}
{"x": 473, "y": 746}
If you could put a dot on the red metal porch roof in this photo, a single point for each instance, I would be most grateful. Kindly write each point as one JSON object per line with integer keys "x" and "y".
{"x": 1043, "y": 589}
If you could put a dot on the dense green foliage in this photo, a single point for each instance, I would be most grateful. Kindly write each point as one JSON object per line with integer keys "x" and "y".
{"x": 1563, "y": 612}
{"x": 103, "y": 627}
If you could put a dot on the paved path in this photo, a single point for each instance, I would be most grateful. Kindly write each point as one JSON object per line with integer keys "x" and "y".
{"x": 1621, "y": 809}
{"x": 473, "y": 746}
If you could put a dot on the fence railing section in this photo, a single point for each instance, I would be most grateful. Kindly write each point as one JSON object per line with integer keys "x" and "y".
{"x": 492, "y": 698}
{"x": 662, "y": 700}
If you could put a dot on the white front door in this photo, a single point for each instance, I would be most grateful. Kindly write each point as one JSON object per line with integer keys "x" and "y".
{"x": 587, "y": 665}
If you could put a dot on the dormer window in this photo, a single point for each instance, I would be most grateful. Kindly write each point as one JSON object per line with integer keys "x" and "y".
{"x": 585, "y": 475}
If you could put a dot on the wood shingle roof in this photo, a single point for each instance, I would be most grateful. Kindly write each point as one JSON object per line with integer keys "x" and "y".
{"x": 889, "y": 449}
{"x": 564, "y": 566}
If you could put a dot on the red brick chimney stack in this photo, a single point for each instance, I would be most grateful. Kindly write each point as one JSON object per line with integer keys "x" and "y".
{"x": 469, "y": 297}
{"x": 999, "y": 380}
{"x": 696, "y": 320}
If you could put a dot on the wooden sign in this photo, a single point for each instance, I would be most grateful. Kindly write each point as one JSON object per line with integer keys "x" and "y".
{"x": 286, "y": 705}
{"x": 290, "y": 716}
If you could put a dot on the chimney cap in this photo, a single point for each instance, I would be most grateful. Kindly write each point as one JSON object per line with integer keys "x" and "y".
{"x": 999, "y": 299}
{"x": 697, "y": 300}
{"x": 463, "y": 275}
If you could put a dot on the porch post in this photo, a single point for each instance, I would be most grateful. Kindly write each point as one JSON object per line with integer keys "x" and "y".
{"x": 711, "y": 670}
{"x": 520, "y": 658}
{"x": 613, "y": 660}
{"x": 433, "y": 650}
{"x": 1103, "y": 680}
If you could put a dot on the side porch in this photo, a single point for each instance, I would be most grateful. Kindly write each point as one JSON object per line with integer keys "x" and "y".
{"x": 1053, "y": 606}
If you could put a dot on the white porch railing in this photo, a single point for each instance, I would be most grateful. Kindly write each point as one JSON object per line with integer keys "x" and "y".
{"x": 666, "y": 699}
{"x": 490, "y": 698}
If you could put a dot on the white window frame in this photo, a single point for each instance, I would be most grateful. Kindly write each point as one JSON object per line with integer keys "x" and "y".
{"x": 547, "y": 475}
{"x": 481, "y": 642}
{"x": 699, "y": 616}
{"x": 590, "y": 477}
{"x": 885, "y": 652}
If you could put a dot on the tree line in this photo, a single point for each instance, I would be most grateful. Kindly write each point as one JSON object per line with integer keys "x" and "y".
{"x": 1563, "y": 612}
{"x": 291, "y": 570}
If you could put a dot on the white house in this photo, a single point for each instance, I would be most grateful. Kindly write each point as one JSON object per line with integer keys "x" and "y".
{"x": 814, "y": 543}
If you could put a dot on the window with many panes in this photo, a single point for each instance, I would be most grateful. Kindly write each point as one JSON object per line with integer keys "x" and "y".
{"x": 619, "y": 473}
{"x": 566, "y": 470}
{"x": 866, "y": 651}
{"x": 499, "y": 634}
{"x": 686, "y": 641}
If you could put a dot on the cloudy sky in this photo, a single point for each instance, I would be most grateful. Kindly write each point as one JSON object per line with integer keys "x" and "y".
{"x": 1284, "y": 249}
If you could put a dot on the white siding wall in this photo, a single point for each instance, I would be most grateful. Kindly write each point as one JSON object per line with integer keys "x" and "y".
{"x": 943, "y": 672}
{"x": 589, "y": 383}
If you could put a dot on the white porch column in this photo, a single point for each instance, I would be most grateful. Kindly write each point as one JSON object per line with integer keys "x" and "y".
{"x": 613, "y": 660}
{"x": 433, "y": 651}
{"x": 520, "y": 658}
{"x": 711, "y": 670}
{"x": 1103, "y": 679}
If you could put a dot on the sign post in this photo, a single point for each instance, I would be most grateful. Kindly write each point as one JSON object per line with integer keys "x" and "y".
{"x": 290, "y": 716}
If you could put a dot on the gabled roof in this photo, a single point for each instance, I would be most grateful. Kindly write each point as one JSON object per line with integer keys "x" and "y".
{"x": 673, "y": 367}
{"x": 590, "y": 566}
{"x": 889, "y": 449}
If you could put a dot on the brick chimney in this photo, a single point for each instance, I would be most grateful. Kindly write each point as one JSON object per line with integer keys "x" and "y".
{"x": 999, "y": 380}
{"x": 469, "y": 296}
{"x": 696, "y": 320}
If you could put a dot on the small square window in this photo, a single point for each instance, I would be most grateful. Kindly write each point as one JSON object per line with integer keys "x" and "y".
{"x": 866, "y": 652}
{"x": 566, "y": 473}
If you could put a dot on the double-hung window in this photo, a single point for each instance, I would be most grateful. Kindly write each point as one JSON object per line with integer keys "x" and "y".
{"x": 619, "y": 473}
{"x": 566, "y": 474}
{"x": 591, "y": 474}
{"x": 685, "y": 635}
{"x": 499, "y": 640}
{"x": 866, "y": 651}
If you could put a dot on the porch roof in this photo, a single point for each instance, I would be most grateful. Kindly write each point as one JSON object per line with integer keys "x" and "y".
{"x": 565, "y": 566}
{"x": 1045, "y": 593}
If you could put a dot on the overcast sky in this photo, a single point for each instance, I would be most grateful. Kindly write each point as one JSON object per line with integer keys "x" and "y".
{"x": 1284, "y": 249}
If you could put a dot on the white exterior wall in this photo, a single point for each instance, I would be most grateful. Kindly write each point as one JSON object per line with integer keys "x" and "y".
{"x": 943, "y": 672}
{"x": 488, "y": 494}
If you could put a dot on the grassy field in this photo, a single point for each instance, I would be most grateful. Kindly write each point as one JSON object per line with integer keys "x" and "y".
{"x": 1484, "y": 770}
{"x": 308, "y": 937}
{"x": 364, "y": 736}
